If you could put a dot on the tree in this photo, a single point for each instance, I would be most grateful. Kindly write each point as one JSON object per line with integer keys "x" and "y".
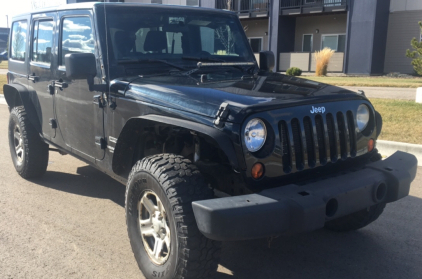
{"x": 416, "y": 55}
{"x": 18, "y": 43}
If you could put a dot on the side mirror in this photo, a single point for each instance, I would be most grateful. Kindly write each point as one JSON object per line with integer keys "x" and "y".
{"x": 83, "y": 66}
{"x": 266, "y": 61}
{"x": 80, "y": 65}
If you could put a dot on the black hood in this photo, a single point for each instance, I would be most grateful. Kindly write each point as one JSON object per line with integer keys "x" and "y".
{"x": 243, "y": 96}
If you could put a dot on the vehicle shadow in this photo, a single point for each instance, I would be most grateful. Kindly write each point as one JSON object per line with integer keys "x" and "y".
{"x": 388, "y": 248}
{"x": 87, "y": 182}
{"x": 391, "y": 247}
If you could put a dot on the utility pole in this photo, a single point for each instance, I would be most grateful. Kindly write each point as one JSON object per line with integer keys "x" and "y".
{"x": 7, "y": 19}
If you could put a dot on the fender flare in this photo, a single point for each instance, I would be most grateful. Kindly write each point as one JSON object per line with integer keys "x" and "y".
{"x": 19, "y": 95}
{"x": 223, "y": 140}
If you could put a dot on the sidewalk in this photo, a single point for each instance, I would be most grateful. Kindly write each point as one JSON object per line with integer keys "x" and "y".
{"x": 386, "y": 92}
{"x": 3, "y": 71}
{"x": 2, "y": 100}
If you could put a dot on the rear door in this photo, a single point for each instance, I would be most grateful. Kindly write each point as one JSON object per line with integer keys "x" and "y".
{"x": 79, "y": 116}
{"x": 40, "y": 68}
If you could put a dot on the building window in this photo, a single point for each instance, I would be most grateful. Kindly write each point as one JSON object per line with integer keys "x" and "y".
{"x": 335, "y": 42}
{"x": 42, "y": 41}
{"x": 307, "y": 43}
{"x": 192, "y": 3}
{"x": 18, "y": 40}
{"x": 76, "y": 35}
{"x": 256, "y": 44}
{"x": 156, "y": 1}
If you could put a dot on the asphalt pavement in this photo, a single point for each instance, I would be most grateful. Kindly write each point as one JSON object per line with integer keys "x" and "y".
{"x": 71, "y": 224}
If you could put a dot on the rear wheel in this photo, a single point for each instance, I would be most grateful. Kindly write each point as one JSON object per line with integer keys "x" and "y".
{"x": 356, "y": 220}
{"x": 162, "y": 229}
{"x": 29, "y": 152}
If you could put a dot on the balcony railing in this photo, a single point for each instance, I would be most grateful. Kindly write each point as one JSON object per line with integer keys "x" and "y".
{"x": 290, "y": 4}
{"x": 244, "y": 6}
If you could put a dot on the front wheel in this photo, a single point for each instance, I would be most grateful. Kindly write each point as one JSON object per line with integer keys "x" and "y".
{"x": 161, "y": 225}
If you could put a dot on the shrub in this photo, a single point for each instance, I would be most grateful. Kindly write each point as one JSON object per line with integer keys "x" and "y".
{"x": 322, "y": 58}
{"x": 293, "y": 71}
{"x": 416, "y": 55}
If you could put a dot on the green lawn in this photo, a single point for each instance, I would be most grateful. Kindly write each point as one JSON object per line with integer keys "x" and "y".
{"x": 370, "y": 81}
{"x": 3, "y": 80}
{"x": 4, "y": 65}
{"x": 401, "y": 120}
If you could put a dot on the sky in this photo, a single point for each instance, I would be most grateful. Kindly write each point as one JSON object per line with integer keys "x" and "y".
{"x": 12, "y": 7}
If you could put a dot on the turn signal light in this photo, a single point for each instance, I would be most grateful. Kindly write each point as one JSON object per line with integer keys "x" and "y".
{"x": 371, "y": 145}
{"x": 257, "y": 170}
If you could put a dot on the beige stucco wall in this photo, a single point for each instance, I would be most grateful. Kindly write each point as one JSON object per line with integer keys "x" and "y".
{"x": 326, "y": 24}
{"x": 256, "y": 28}
{"x": 402, "y": 27}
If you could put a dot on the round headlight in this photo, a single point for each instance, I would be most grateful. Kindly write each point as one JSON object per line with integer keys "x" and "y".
{"x": 255, "y": 134}
{"x": 362, "y": 117}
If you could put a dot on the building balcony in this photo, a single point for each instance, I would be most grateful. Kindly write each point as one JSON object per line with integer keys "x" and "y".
{"x": 296, "y": 7}
{"x": 245, "y": 8}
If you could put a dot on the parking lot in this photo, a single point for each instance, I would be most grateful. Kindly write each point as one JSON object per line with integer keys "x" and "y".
{"x": 71, "y": 224}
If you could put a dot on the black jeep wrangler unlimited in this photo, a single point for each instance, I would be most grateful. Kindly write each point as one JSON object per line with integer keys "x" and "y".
{"x": 171, "y": 102}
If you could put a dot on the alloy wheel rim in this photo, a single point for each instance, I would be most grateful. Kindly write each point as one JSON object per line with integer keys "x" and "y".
{"x": 154, "y": 227}
{"x": 18, "y": 143}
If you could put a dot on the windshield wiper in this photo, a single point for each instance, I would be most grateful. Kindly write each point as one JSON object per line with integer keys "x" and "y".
{"x": 197, "y": 58}
{"x": 135, "y": 61}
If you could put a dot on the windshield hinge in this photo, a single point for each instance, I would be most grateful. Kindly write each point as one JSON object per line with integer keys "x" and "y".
{"x": 222, "y": 114}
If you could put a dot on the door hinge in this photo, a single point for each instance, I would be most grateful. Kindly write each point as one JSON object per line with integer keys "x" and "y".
{"x": 101, "y": 142}
{"x": 53, "y": 123}
{"x": 221, "y": 115}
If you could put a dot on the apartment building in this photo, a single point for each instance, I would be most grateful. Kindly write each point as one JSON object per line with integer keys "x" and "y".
{"x": 370, "y": 37}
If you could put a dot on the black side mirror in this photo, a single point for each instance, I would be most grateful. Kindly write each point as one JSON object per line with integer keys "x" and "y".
{"x": 83, "y": 66}
{"x": 266, "y": 61}
{"x": 80, "y": 65}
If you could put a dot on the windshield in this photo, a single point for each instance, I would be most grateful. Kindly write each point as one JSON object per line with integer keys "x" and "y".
{"x": 179, "y": 36}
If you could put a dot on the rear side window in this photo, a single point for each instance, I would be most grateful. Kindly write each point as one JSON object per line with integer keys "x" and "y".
{"x": 76, "y": 36}
{"x": 42, "y": 41}
{"x": 18, "y": 40}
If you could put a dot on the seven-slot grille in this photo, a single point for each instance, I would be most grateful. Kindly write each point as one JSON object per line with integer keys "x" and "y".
{"x": 316, "y": 140}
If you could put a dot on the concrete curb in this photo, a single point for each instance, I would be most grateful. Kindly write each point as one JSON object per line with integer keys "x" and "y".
{"x": 387, "y": 148}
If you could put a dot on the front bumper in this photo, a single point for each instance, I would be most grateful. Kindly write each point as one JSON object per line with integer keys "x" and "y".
{"x": 294, "y": 209}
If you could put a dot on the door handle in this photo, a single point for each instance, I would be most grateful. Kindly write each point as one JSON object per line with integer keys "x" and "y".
{"x": 33, "y": 77}
{"x": 60, "y": 84}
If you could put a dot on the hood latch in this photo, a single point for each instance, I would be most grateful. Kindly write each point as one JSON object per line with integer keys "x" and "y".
{"x": 222, "y": 114}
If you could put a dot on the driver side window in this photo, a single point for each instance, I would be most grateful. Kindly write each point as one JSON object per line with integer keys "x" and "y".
{"x": 76, "y": 36}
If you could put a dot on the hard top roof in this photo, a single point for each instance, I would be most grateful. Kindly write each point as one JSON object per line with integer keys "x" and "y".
{"x": 91, "y": 5}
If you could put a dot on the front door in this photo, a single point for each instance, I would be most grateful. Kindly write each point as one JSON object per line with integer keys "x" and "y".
{"x": 79, "y": 117}
{"x": 40, "y": 68}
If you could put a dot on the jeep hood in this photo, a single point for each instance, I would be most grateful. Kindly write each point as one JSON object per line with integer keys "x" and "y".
{"x": 245, "y": 96}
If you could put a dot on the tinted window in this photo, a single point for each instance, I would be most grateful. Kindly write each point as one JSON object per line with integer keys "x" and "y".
{"x": 42, "y": 41}
{"x": 77, "y": 36}
{"x": 18, "y": 40}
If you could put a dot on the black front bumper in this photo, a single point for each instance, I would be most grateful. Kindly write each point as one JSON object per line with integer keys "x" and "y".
{"x": 293, "y": 209}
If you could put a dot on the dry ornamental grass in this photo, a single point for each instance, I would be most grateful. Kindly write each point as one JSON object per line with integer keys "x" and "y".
{"x": 322, "y": 58}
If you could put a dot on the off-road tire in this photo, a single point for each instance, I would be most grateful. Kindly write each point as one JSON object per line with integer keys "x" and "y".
{"x": 356, "y": 220}
{"x": 35, "y": 150}
{"x": 177, "y": 182}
